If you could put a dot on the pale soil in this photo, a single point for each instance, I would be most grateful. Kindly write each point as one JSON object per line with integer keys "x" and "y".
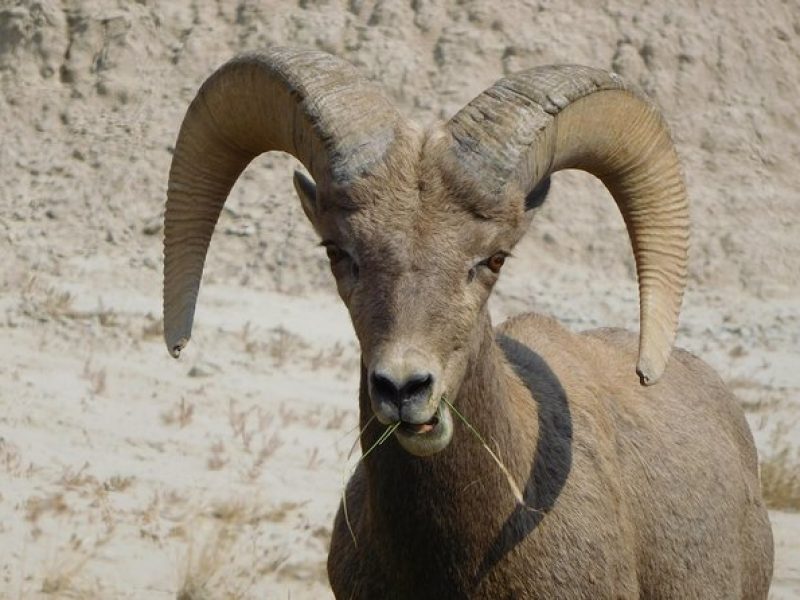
{"x": 125, "y": 474}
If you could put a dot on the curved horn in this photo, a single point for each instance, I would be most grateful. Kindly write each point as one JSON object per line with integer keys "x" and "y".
{"x": 540, "y": 121}
{"x": 307, "y": 103}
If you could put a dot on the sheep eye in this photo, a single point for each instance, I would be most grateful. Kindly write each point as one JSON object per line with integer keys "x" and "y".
{"x": 496, "y": 261}
{"x": 335, "y": 254}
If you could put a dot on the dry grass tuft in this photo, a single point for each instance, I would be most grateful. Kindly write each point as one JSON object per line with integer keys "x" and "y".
{"x": 118, "y": 483}
{"x": 279, "y": 344}
{"x": 217, "y": 460}
{"x": 206, "y": 561}
{"x": 269, "y": 445}
{"x": 181, "y": 414}
{"x": 339, "y": 418}
{"x": 238, "y": 420}
{"x": 251, "y": 424}
{"x": 283, "y": 345}
{"x": 153, "y": 327}
{"x": 106, "y": 316}
{"x": 95, "y": 377}
{"x": 780, "y": 472}
{"x": 62, "y": 578}
{"x": 37, "y": 506}
{"x": 72, "y": 479}
{"x": 11, "y": 460}
{"x": 233, "y": 511}
{"x": 756, "y": 397}
{"x": 314, "y": 459}
{"x": 45, "y": 303}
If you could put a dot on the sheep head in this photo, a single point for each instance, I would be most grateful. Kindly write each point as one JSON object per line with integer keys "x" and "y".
{"x": 417, "y": 224}
{"x": 414, "y": 261}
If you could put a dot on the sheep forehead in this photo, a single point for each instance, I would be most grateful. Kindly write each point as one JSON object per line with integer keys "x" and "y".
{"x": 418, "y": 227}
{"x": 411, "y": 206}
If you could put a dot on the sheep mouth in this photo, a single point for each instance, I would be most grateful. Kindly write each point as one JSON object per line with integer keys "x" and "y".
{"x": 430, "y": 437}
{"x": 421, "y": 428}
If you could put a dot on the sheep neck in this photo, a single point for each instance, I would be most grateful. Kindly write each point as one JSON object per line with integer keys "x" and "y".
{"x": 450, "y": 508}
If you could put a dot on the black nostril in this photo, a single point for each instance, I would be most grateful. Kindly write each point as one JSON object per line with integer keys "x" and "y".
{"x": 385, "y": 387}
{"x": 415, "y": 388}
{"x": 416, "y": 385}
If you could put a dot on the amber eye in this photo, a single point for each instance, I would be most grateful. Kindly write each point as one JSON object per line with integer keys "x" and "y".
{"x": 496, "y": 261}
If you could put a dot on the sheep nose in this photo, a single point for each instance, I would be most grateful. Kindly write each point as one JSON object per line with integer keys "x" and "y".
{"x": 402, "y": 399}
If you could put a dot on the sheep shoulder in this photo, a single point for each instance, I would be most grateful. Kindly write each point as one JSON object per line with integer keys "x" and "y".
{"x": 680, "y": 453}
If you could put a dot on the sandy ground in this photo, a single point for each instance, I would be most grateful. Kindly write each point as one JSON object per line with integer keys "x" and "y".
{"x": 126, "y": 474}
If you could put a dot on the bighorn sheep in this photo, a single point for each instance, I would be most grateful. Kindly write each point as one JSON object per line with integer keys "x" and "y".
{"x": 629, "y": 489}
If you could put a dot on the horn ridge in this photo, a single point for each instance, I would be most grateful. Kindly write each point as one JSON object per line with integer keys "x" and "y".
{"x": 534, "y": 123}
{"x": 307, "y": 103}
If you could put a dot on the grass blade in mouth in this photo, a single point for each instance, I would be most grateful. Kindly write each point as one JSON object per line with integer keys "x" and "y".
{"x": 385, "y": 436}
{"x": 360, "y": 430}
{"x": 358, "y": 438}
{"x": 387, "y": 433}
{"x": 511, "y": 483}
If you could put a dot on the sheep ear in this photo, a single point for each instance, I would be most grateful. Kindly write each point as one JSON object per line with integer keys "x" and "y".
{"x": 537, "y": 195}
{"x": 307, "y": 192}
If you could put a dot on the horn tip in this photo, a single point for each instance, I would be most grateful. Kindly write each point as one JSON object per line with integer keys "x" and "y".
{"x": 648, "y": 373}
{"x": 175, "y": 348}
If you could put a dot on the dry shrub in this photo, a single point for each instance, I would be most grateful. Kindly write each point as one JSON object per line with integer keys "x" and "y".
{"x": 780, "y": 472}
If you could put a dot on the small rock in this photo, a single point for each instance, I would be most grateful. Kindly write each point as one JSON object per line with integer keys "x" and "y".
{"x": 203, "y": 369}
{"x": 243, "y": 230}
{"x": 153, "y": 226}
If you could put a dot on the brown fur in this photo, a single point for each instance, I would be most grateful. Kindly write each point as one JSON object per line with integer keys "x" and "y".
{"x": 630, "y": 491}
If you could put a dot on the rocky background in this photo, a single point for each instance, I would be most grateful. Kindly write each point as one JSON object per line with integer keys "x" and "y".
{"x": 124, "y": 474}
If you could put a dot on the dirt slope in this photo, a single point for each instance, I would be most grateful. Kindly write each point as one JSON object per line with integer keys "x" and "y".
{"x": 121, "y": 470}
